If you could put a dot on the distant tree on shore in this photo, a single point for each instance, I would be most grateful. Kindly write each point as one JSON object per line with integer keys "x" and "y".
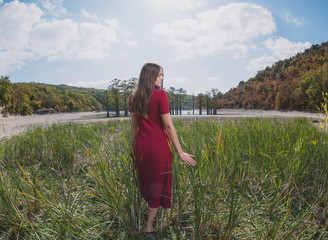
{"x": 127, "y": 87}
{"x": 117, "y": 95}
{"x": 172, "y": 99}
{"x": 181, "y": 98}
{"x": 113, "y": 96}
{"x": 5, "y": 92}
{"x": 200, "y": 102}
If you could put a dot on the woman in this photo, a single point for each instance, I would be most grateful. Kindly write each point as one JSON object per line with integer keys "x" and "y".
{"x": 151, "y": 129}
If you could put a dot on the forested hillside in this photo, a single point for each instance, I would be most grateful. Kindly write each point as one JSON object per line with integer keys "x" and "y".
{"x": 27, "y": 98}
{"x": 296, "y": 83}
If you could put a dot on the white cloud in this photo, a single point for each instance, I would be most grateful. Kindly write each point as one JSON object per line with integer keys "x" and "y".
{"x": 214, "y": 31}
{"x": 219, "y": 83}
{"x": 127, "y": 38}
{"x": 66, "y": 39}
{"x": 177, "y": 80}
{"x": 14, "y": 34}
{"x": 260, "y": 63}
{"x": 238, "y": 50}
{"x": 102, "y": 84}
{"x": 281, "y": 49}
{"x": 89, "y": 16}
{"x": 1, "y": 2}
{"x": 16, "y": 21}
{"x": 53, "y": 6}
{"x": 130, "y": 42}
{"x": 290, "y": 19}
{"x": 26, "y": 36}
{"x": 213, "y": 79}
{"x": 182, "y": 5}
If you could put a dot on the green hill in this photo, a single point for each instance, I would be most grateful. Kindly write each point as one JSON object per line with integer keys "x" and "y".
{"x": 27, "y": 98}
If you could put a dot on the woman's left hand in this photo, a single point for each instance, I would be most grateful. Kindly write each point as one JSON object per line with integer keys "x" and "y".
{"x": 187, "y": 158}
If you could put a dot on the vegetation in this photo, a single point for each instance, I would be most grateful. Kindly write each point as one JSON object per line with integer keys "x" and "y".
{"x": 28, "y": 98}
{"x": 5, "y": 90}
{"x": 296, "y": 83}
{"x": 255, "y": 179}
{"x": 117, "y": 95}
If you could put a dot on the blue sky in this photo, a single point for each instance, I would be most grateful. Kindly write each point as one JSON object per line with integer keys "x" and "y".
{"x": 201, "y": 44}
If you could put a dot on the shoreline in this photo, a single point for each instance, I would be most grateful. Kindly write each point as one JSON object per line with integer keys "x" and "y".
{"x": 14, "y": 125}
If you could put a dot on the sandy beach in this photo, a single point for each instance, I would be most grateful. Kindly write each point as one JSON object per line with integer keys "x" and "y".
{"x": 14, "y": 125}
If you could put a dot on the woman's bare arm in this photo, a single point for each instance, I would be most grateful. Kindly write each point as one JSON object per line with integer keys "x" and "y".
{"x": 167, "y": 120}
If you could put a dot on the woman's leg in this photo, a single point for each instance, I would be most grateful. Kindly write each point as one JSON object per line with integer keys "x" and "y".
{"x": 152, "y": 212}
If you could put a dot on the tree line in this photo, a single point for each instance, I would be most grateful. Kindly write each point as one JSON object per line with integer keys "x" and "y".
{"x": 30, "y": 98}
{"x": 119, "y": 91}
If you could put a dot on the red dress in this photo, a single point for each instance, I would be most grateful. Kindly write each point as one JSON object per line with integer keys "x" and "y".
{"x": 153, "y": 156}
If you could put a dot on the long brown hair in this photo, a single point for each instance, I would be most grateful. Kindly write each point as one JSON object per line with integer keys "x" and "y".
{"x": 141, "y": 95}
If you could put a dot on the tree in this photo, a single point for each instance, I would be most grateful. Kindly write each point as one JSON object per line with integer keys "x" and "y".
{"x": 113, "y": 97}
{"x": 22, "y": 104}
{"x": 171, "y": 99}
{"x": 215, "y": 99}
{"x": 208, "y": 103}
{"x": 5, "y": 90}
{"x": 107, "y": 101}
{"x": 193, "y": 103}
{"x": 313, "y": 83}
{"x": 200, "y": 102}
{"x": 181, "y": 97}
{"x": 127, "y": 87}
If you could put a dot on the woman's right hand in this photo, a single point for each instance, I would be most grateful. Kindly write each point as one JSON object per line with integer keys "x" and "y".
{"x": 187, "y": 158}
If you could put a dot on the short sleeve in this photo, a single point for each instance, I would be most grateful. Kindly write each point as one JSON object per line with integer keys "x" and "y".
{"x": 163, "y": 104}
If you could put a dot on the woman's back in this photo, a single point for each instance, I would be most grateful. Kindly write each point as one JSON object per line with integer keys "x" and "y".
{"x": 153, "y": 124}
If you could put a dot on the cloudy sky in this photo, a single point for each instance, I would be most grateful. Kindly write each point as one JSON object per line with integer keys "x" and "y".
{"x": 201, "y": 44}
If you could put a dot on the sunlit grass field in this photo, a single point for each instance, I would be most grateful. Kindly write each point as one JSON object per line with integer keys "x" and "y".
{"x": 256, "y": 178}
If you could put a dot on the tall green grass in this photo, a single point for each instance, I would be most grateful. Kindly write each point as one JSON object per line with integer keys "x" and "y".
{"x": 255, "y": 179}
